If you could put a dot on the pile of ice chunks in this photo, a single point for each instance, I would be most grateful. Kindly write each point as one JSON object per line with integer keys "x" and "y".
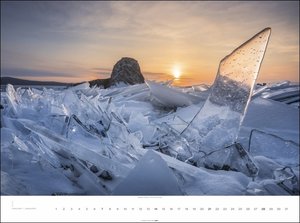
{"x": 231, "y": 158}
{"x": 284, "y": 152}
{"x": 285, "y": 92}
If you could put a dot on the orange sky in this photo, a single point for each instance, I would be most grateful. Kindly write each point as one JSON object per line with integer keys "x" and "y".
{"x": 79, "y": 41}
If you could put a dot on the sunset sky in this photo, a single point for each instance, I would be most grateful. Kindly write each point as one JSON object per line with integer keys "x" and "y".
{"x": 79, "y": 41}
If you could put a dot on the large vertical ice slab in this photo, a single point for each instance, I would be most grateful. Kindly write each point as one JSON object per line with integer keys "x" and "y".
{"x": 217, "y": 124}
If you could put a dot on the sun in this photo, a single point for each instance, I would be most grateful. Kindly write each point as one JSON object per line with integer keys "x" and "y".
{"x": 176, "y": 72}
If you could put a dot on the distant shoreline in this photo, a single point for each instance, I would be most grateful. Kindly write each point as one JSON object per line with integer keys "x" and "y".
{"x": 23, "y": 82}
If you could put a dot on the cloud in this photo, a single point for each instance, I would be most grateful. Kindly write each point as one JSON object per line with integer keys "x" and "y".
{"x": 143, "y": 20}
{"x": 102, "y": 72}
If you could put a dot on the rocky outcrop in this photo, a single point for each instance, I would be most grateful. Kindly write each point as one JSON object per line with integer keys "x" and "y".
{"x": 126, "y": 70}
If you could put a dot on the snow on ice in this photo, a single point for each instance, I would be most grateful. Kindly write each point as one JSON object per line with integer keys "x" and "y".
{"x": 233, "y": 138}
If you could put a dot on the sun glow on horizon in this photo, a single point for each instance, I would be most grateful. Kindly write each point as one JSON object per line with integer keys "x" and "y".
{"x": 176, "y": 72}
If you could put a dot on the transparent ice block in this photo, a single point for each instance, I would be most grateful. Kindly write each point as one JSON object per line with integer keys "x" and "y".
{"x": 217, "y": 124}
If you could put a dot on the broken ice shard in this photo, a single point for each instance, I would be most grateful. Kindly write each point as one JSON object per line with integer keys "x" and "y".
{"x": 284, "y": 152}
{"x": 287, "y": 179}
{"x": 12, "y": 97}
{"x": 151, "y": 176}
{"x": 170, "y": 97}
{"x": 234, "y": 157}
{"x": 217, "y": 124}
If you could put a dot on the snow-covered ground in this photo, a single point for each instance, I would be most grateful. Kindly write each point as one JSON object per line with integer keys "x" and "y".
{"x": 145, "y": 140}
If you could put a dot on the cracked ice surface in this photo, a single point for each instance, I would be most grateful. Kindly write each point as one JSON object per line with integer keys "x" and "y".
{"x": 83, "y": 140}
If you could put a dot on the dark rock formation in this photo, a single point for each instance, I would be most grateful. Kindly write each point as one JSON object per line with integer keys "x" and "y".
{"x": 126, "y": 70}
